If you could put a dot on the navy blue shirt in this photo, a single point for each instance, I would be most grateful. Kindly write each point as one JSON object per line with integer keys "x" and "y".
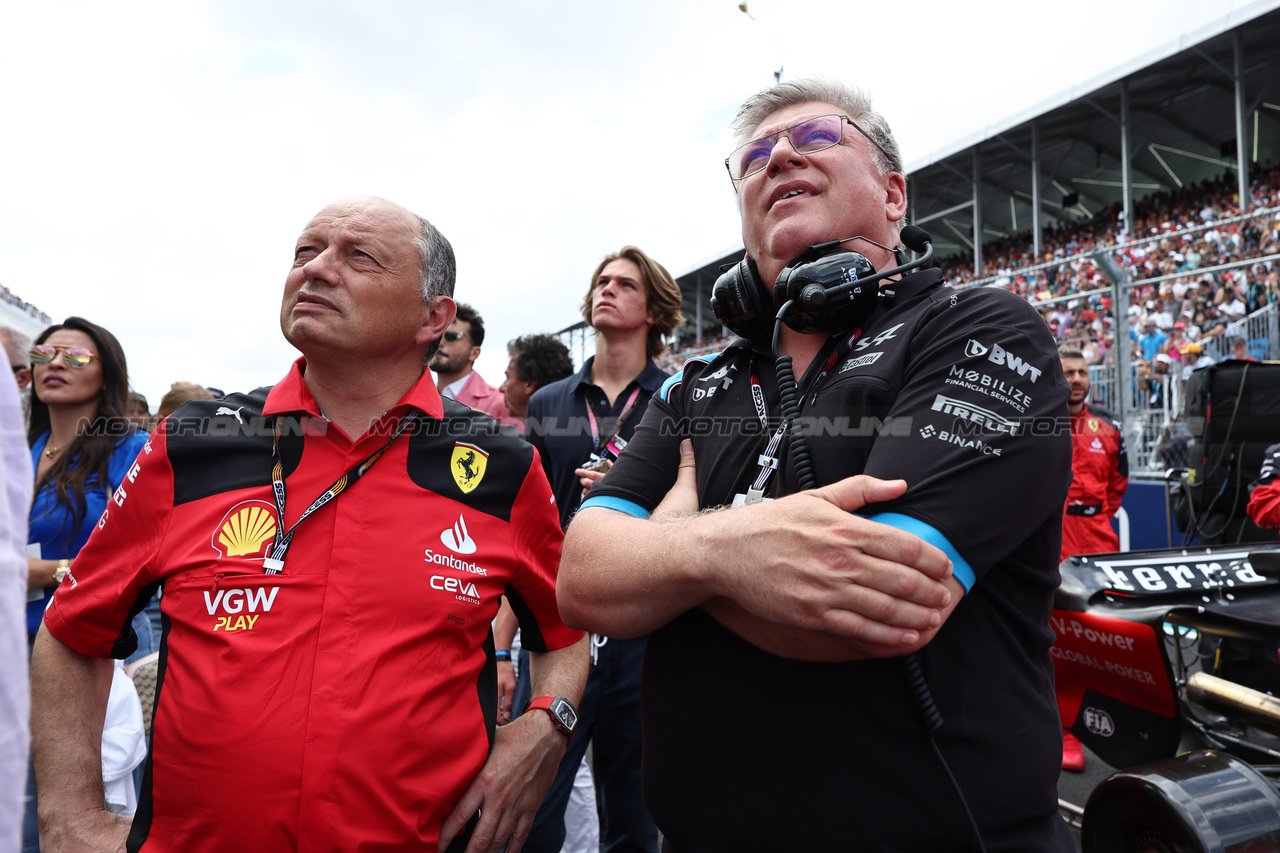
{"x": 558, "y": 426}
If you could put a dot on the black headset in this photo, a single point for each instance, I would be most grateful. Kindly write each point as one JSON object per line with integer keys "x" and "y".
{"x": 830, "y": 289}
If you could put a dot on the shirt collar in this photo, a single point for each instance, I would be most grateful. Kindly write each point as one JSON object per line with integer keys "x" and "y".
{"x": 291, "y": 394}
{"x": 454, "y": 389}
{"x": 650, "y": 379}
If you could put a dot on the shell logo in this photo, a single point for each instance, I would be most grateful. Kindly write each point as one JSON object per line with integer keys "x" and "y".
{"x": 246, "y": 530}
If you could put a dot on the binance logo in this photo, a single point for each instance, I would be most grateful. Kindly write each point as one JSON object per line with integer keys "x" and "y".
{"x": 468, "y": 465}
{"x": 246, "y": 530}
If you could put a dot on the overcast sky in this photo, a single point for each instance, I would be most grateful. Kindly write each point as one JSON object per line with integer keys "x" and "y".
{"x": 160, "y": 158}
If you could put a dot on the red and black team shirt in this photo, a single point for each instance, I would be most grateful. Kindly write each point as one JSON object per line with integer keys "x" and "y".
{"x": 1100, "y": 461}
{"x": 345, "y": 703}
{"x": 1264, "y": 492}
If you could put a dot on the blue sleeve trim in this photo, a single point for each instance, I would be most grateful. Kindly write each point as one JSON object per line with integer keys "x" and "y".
{"x": 616, "y": 504}
{"x": 664, "y": 392}
{"x": 963, "y": 571}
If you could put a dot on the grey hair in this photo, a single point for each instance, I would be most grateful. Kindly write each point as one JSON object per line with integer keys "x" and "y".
{"x": 855, "y": 103}
{"x": 439, "y": 268}
{"x": 1070, "y": 352}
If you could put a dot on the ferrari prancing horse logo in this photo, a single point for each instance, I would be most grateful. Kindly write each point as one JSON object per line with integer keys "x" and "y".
{"x": 468, "y": 465}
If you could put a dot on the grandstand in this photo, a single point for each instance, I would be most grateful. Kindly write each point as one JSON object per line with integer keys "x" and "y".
{"x": 17, "y": 313}
{"x": 1148, "y": 192}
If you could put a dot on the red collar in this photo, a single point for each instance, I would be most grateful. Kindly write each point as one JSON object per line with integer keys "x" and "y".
{"x": 291, "y": 394}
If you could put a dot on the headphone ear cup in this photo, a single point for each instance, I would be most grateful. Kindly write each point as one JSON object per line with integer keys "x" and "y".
{"x": 741, "y": 303}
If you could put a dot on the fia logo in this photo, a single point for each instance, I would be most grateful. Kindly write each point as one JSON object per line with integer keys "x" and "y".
{"x": 1099, "y": 722}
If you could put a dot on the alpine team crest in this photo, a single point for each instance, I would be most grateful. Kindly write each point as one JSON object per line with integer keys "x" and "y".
{"x": 246, "y": 530}
{"x": 468, "y": 465}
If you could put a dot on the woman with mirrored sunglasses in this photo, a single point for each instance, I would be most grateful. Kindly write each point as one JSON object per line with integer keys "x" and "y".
{"x": 82, "y": 446}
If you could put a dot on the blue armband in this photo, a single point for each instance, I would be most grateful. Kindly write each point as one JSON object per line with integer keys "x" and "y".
{"x": 963, "y": 571}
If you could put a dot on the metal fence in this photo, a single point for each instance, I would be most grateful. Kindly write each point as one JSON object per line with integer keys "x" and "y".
{"x": 1154, "y": 431}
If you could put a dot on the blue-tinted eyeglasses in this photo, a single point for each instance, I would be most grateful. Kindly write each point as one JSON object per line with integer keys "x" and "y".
{"x": 808, "y": 137}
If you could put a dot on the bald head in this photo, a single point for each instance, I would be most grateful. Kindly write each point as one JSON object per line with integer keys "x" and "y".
{"x": 438, "y": 267}
{"x": 363, "y": 283}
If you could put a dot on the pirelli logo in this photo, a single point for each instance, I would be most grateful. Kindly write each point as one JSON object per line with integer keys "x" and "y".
{"x": 967, "y": 411}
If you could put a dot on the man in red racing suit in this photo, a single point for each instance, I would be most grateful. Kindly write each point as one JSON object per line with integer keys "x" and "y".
{"x": 1099, "y": 463}
{"x": 1264, "y": 493}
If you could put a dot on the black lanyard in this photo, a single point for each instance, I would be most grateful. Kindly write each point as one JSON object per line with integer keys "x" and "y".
{"x": 768, "y": 461}
{"x": 274, "y": 564}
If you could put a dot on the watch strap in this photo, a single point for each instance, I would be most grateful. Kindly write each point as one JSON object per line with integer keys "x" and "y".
{"x": 544, "y": 703}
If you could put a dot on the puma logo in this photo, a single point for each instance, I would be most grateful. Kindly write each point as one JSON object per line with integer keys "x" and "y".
{"x": 224, "y": 410}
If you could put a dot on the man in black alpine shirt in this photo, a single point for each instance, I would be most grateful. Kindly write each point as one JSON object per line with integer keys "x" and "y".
{"x": 960, "y": 395}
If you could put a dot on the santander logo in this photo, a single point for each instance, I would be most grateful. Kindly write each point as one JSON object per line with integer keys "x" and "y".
{"x": 457, "y": 539}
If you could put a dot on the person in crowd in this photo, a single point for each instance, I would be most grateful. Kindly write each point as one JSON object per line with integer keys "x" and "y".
{"x": 16, "y": 345}
{"x": 1239, "y": 349}
{"x": 534, "y": 361}
{"x": 179, "y": 394}
{"x": 453, "y": 364}
{"x": 703, "y": 539}
{"x": 324, "y": 683}
{"x": 139, "y": 412}
{"x": 82, "y": 447}
{"x": 1193, "y": 359}
{"x": 1100, "y": 477}
{"x": 1151, "y": 340}
{"x": 1177, "y": 340}
{"x": 15, "y": 503}
{"x": 1161, "y": 373}
{"x": 632, "y": 304}
{"x": 1230, "y": 305}
{"x": 1213, "y": 327}
{"x": 1161, "y": 314}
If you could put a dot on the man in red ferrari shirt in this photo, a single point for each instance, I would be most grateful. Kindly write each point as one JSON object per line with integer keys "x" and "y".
{"x": 332, "y": 551}
{"x": 1099, "y": 464}
{"x": 1100, "y": 475}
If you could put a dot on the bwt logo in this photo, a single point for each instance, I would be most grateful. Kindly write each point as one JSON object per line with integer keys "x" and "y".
{"x": 997, "y": 354}
{"x": 235, "y": 602}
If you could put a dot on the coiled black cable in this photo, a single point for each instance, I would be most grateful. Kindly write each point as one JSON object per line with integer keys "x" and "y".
{"x": 908, "y": 665}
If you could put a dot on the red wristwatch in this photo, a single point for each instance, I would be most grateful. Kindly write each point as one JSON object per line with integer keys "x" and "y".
{"x": 563, "y": 715}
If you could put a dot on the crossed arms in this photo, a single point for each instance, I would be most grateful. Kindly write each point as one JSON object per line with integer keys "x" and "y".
{"x": 800, "y": 577}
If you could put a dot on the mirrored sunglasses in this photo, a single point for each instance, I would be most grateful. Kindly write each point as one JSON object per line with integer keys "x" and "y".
{"x": 808, "y": 137}
{"x": 71, "y": 356}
